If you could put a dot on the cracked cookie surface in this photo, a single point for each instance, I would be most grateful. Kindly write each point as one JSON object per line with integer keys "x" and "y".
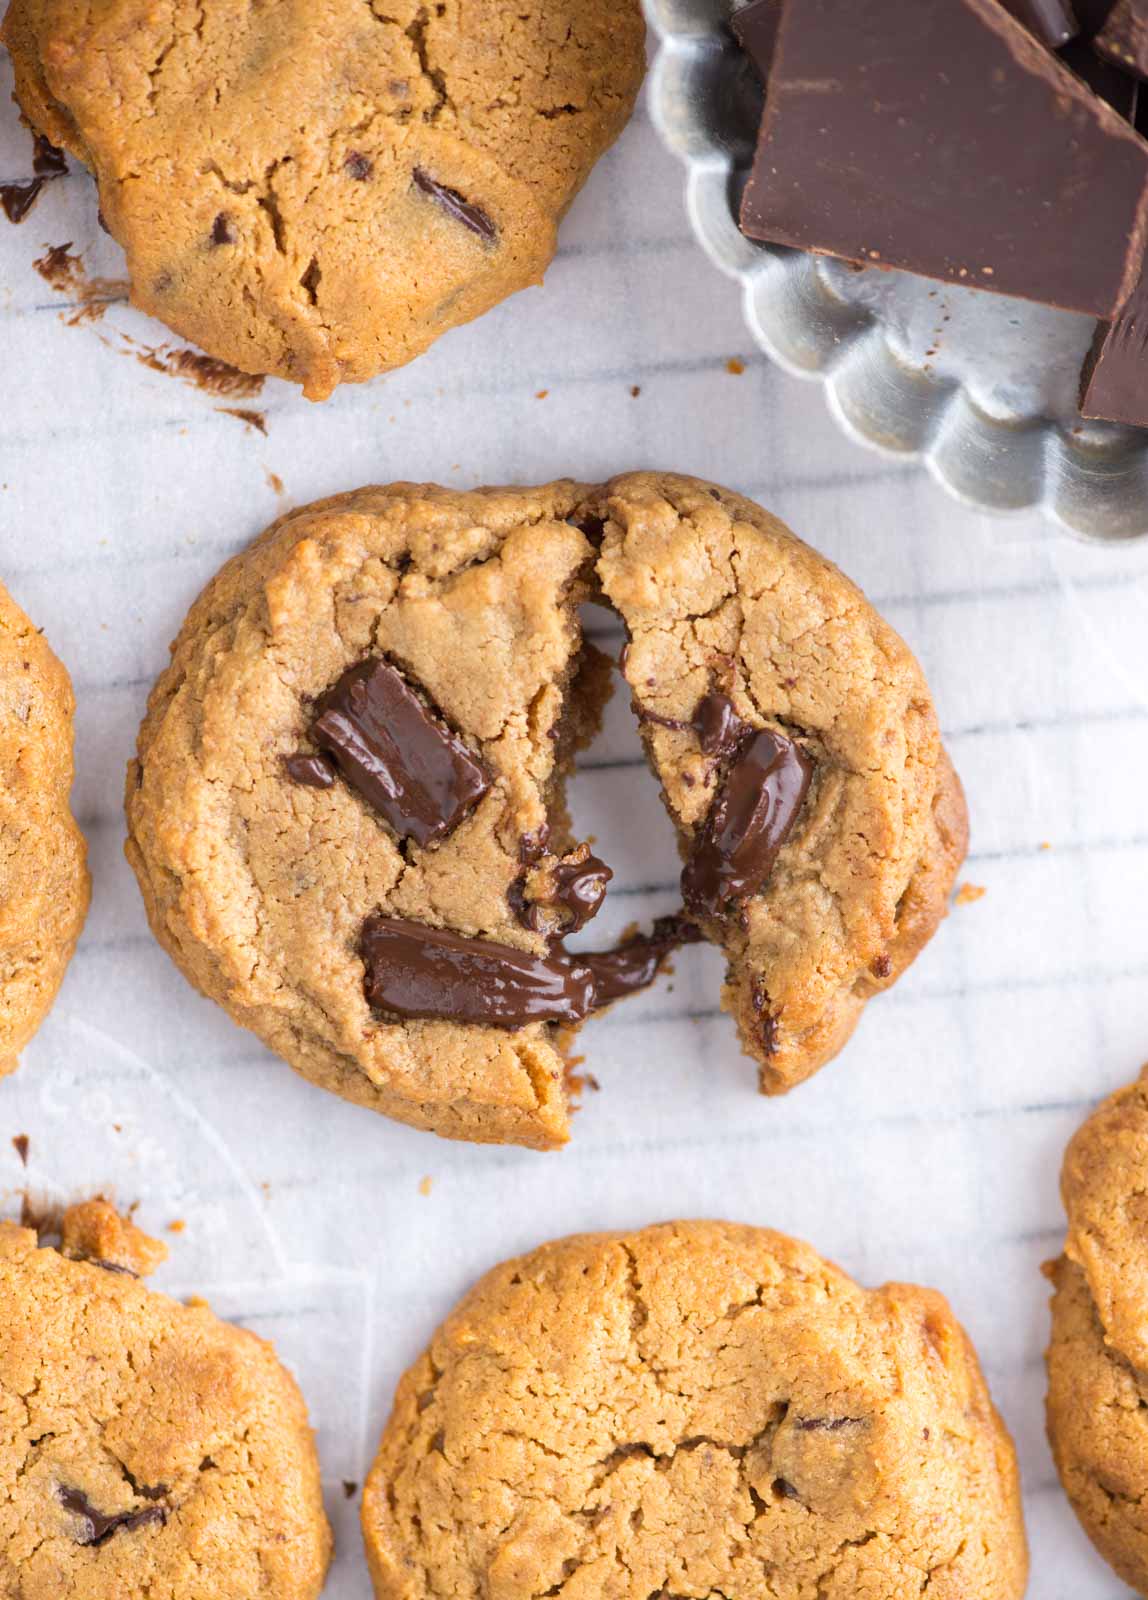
{"x": 694, "y": 1409}
{"x": 43, "y": 859}
{"x": 317, "y": 882}
{"x": 720, "y": 597}
{"x": 317, "y": 189}
{"x": 149, "y": 1451}
{"x": 1098, "y": 1356}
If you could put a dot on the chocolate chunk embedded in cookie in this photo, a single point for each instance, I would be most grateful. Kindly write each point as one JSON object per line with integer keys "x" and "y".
{"x": 317, "y": 189}
{"x": 797, "y": 746}
{"x": 1097, "y": 1409}
{"x": 149, "y": 1449}
{"x": 44, "y": 884}
{"x": 694, "y": 1409}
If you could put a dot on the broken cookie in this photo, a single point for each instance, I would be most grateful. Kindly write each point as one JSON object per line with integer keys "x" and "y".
{"x": 368, "y": 177}
{"x": 149, "y": 1448}
{"x": 694, "y": 1409}
{"x": 347, "y": 814}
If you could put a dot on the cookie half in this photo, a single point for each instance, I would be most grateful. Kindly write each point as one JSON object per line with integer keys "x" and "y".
{"x": 1097, "y": 1407}
{"x": 318, "y": 189}
{"x": 149, "y": 1449}
{"x": 44, "y": 884}
{"x": 795, "y": 738}
{"x": 697, "y": 1408}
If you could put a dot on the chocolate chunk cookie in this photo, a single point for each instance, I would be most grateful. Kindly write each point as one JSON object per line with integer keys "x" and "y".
{"x": 1097, "y": 1408}
{"x": 696, "y": 1409}
{"x": 346, "y": 815}
{"x": 318, "y": 189}
{"x": 795, "y": 738}
{"x": 149, "y": 1449}
{"x": 43, "y": 873}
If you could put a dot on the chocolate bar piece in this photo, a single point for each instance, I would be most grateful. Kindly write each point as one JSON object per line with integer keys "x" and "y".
{"x": 418, "y": 774}
{"x": 1054, "y": 22}
{"x": 1124, "y": 37}
{"x": 755, "y": 28}
{"x": 1119, "y": 89}
{"x": 1114, "y": 383}
{"x": 941, "y": 137}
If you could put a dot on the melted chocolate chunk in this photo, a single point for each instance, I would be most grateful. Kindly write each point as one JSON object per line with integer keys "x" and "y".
{"x": 416, "y": 971}
{"x": 314, "y": 772}
{"x": 415, "y": 771}
{"x": 635, "y": 964}
{"x": 579, "y": 887}
{"x": 358, "y": 166}
{"x": 457, "y": 206}
{"x": 98, "y": 1528}
{"x": 716, "y": 723}
{"x": 17, "y": 199}
{"x": 751, "y": 817}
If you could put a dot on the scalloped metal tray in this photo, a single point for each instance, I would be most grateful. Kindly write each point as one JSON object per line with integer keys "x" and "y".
{"x": 980, "y": 388}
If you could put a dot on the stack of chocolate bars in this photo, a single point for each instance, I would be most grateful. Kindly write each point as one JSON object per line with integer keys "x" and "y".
{"x": 994, "y": 144}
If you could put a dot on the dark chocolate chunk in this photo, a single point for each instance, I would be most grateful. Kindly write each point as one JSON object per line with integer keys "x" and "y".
{"x": 828, "y": 1424}
{"x": 457, "y": 206}
{"x": 221, "y": 230}
{"x": 953, "y": 145}
{"x": 98, "y": 1528}
{"x": 1054, "y": 22}
{"x": 1121, "y": 91}
{"x": 1114, "y": 383}
{"x": 751, "y": 817}
{"x": 1124, "y": 36}
{"x": 755, "y": 27}
{"x": 358, "y": 166}
{"x": 17, "y": 199}
{"x": 415, "y": 771}
{"x": 578, "y": 889}
{"x": 314, "y": 772}
{"x": 108, "y": 1266}
{"x": 416, "y": 971}
{"x": 636, "y": 963}
{"x": 716, "y": 723}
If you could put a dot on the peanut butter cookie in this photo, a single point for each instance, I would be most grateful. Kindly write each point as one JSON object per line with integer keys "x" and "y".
{"x": 44, "y": 885}
{"x": 346, "y": 815}
{"x": 150, "y": 1451}
{"x": 317, "y": 189}
{"x": 695, "y": 1409}
{"x": 1097, "y": 1390}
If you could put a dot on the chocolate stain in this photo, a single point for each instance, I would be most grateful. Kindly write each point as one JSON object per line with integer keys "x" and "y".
{"x": 204, "y": 372}
{"x": 21, "y": 1144}
{"x": 48, "y": 163}
{"x": 255, "y": 420}
{"x": 65, "y": 273}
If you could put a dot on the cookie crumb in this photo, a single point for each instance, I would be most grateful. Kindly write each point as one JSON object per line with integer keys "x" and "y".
{"x": 735, "y": 367}
{"x": 635, "y": 391}
{"x": 426, "y": 1185}
{"x": 21, "y": 1144}
{"x": 1045, "y": 845}
{"x": 542, "y": 393}
{"x": 275, "y": 483}
{"x": 177, "y": 1226}
{"x": 968, "y": 893}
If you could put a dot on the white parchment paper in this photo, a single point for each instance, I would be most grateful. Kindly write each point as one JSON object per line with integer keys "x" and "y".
{"x": 929, "y": 1151}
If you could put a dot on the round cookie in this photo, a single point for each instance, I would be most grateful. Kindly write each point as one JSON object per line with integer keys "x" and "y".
{"x": 821, "y": 706}
{"x": 701, "y": 1409}
{"x": 346, "y": 813}
{"x": 44, "y": 885}
{"x": 150, "y": 1451}
{"x": 317, "y": 189}
{"x": 1097, "y": 1390}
